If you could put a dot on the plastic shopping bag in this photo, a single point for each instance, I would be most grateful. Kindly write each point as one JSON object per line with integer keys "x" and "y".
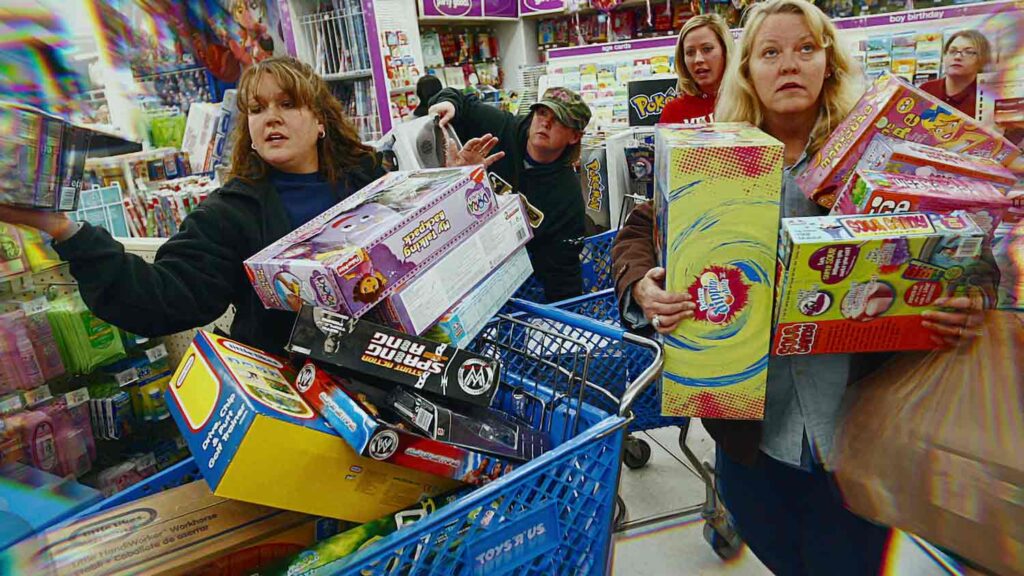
{"x": 933, "y": 444}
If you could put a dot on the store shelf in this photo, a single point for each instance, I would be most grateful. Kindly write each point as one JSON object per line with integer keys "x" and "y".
{"x": 343, "y": 76}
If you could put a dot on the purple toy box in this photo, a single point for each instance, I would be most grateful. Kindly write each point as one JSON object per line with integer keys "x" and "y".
{"x": 358, "y": 252}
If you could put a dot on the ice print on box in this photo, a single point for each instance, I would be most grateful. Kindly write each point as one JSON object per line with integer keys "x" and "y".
{"x": 860, "y": 283}
{"x": 361, "y": 250}
{"x": 892, "y": 107}
{"x": 717, "y": 191}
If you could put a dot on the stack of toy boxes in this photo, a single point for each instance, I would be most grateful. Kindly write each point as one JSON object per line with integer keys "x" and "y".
{"x": 893, "y": 107}
{"x": 717, "y": 206}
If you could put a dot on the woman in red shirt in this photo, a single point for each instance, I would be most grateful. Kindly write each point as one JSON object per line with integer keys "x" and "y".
{"x": 701, "y": 56}
{"x": 967, "y": 53}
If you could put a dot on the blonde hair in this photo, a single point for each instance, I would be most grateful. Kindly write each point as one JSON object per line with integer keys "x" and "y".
{"x": 842, "y": 87}
{"x": 980, "y": 44}
{"x": 339, "y": 150}
{"x": 716, "y": 23}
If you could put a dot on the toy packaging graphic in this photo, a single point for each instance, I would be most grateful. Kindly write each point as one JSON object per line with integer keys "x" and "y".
{"x": 594, "y": 180}
{"x": 379, "y": 353}
{"x": 473, "y": 427}
{"x": 255, "y": 439}
{"x": 885, "y": 154}
{"x": 361, "y": 415}
{"x": 418, "y": 303}
{"x": 716, "y": 203}
{"x": 882, "y": 193}
{"x": 892, "y": 107}
{"x": 460, "y": 325}
{"x": 860, "y": 283}
{"x": 361, "y": 250}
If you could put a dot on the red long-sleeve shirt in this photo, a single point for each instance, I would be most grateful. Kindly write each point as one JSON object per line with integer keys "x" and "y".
{"x": 688, "y": 109}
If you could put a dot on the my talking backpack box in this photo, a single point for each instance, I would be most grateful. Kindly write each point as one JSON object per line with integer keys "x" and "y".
{"x": 255, "y": 439}
{"x": 717, "y": 190}
{"x": 860, "y": 283}
{"x": 881, "y": 193}
{"x": 185, "y": 530}
{"x": 885, "y": 154}
{"x": 360, "y": 414}
{"x": 378, "y": 353}
{"x": 419, "y": 302}
{"x": 358, "y": 252}
{"x": 893, "y": 107}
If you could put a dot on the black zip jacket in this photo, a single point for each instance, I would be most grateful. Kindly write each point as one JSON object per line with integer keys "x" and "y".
{"x": 198, "y": 272}
{"x": 554, "y": 189}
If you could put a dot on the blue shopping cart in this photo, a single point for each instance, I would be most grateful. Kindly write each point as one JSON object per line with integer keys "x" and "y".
{"x": 596, "y": 258}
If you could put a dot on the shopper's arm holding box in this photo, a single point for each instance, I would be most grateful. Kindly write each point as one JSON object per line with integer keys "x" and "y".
{"x": 472, "y": 118}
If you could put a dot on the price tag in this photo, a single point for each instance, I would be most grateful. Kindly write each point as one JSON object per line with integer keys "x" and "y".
{"x": 36, "y": 306}
{"x": 76, "y": 397}
{"x": 11, "y": 404}
{"x": 127, "y": 377}
{"x": 156, "y": 353}
{"x": 38, "y": 395}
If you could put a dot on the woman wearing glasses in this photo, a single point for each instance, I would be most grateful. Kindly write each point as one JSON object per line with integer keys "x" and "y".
{"x": 967, "y": 52}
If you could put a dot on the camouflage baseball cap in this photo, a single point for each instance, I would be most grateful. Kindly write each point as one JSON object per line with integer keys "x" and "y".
{"x": 568, "y": 107}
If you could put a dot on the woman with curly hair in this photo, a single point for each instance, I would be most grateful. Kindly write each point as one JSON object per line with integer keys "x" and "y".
{"x": 295, "y": 155}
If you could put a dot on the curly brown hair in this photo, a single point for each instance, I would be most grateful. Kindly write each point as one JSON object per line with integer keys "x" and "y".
{"x": 338, "y": 151}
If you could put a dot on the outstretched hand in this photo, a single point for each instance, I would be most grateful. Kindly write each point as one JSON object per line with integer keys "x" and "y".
{"x": 473, "y": 152}
{"x": 56, "y": 224}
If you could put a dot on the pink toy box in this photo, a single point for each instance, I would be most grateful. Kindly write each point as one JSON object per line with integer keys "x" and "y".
{"x": 893, "y": 107}
{"x": 885, "y": 154}
{"x": 882, "y": 193}
{"x": 358, "y": 252}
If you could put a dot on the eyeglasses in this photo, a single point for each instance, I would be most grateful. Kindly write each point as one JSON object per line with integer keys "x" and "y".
{"x": 966, "y": 53}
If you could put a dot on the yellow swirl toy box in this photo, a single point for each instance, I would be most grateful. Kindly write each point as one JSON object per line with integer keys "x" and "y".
{"x": 717, "y": 191}
{"x": 255, "y": 439}
{"x": 860, "y": 283}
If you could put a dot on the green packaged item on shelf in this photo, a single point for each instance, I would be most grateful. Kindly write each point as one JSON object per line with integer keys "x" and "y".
{"x": 86, "y": 342}
{"x": 167, "y": 131}
{"x": 332, "y": 554}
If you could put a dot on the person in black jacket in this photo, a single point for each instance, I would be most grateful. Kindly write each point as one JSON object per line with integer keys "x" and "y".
{"x": 295, "y": 155}
{"x": 540, "y": 151}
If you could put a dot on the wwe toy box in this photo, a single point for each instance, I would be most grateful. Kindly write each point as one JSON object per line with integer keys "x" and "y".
{"x": 882, "y": 193}
{"x": 255, "y": 439}
{"x": 359, "y": 251}
{"x": 361, "y": 415}
{"x": 893, "y": 107}
{"x": 885, "y": 154}
{"x": 459, "y": 325}
{"x": 380, "y": 354}
{"x": 418, "y": 303}
{"x": 717, "y": 191}
{"x": 860, "y": 283}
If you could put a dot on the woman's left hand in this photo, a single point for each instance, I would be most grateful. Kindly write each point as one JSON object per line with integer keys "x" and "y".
{"x": 474, "y": 152}
{"x": 957, "y": 326}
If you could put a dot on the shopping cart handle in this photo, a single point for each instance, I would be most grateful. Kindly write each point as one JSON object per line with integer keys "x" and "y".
{"x": 574, "y": 320}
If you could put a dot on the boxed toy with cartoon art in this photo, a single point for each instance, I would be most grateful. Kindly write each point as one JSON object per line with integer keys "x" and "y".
{"x": 860, "y": 283}
{"x": 361, "y": 414}
{"x": 418, "y": 303}
{"x": 716, "y": 204}
{"x": 358, "y": 252}
{"x": 893, "y": 107}
{"x": 881, "y": 193}
{"x": 886, "y": 154}
{"x": 255, "y": 439}
{"x": 381, "y": 354}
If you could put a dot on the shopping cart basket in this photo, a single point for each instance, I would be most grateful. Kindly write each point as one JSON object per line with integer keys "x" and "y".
{"x": 603, "y": 306}
{"x": 553, "y": 515}
{"x": 596, "y": 259}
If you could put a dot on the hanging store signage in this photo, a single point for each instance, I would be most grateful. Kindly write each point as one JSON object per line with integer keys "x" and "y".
{"x": 529, "y": 7}
{"x": 462, "y": 9}
{"x": 647, "y": 98}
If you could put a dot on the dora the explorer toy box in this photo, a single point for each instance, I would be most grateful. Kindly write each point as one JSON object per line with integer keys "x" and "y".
{"x": 361, "y": 250}
{"x": 716, "y": 202}
{"x": 893, "y": 107}
{"x": 255, "y": 439}
{"x": 860, "y": 283}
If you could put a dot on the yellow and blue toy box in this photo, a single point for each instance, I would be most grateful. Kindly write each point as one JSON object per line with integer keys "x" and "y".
{"x": 255, "y": 439}
{"x": 717, "y": 190}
